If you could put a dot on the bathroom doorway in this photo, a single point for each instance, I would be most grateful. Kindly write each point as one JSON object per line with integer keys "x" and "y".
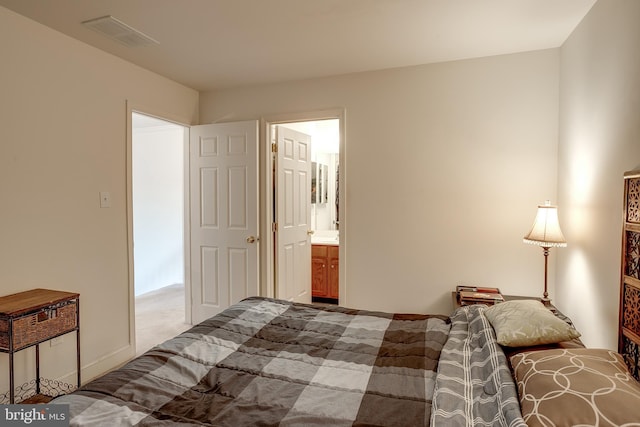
{"x": 324, "y": 228}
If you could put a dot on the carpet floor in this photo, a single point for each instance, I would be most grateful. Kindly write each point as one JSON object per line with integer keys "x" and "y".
{"x": 160, "y": 315}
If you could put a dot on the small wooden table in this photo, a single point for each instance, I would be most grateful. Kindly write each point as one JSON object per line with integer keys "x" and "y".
{"x": 32, "y": 317}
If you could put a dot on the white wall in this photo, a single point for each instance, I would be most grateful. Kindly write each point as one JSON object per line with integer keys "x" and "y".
{"x": 599, "y": 141}
{"x": 62, "y": 141}
{"x": 158, "y": 207}
{"x": 445, "y": 165}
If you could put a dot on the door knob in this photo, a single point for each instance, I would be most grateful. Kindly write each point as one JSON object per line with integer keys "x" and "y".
{"x": 252, "y": 239}
{"x": 310, "y": 232}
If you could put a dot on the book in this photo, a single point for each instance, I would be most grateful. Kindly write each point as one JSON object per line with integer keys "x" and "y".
{"x": 487, "y": 290}
{"x": 469, "y": 288}
{"x": 465, "y": 288}
{"x": 480, "y": 289}
{"x": 481, "y": 296}
{"x": 489, "y": 298}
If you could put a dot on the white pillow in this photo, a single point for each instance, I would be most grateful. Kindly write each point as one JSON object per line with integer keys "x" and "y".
{"x": 521, "y": 323}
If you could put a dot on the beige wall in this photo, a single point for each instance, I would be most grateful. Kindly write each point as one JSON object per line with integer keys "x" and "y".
{"x": 599, "y": 141}
{"x": 445, "y": 166}
{"x": 62, "y": 141}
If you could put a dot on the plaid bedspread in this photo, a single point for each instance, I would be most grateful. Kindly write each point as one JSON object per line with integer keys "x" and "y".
{"x": 474, "y": 386}
{"x": 266, "y": 362}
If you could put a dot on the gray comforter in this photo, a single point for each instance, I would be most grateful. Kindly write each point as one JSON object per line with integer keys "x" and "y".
{"x": 265, "y": 362}
{"x": 474, "y": 386}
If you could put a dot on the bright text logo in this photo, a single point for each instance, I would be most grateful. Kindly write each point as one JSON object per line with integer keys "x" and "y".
{"x": 34, "y": 415}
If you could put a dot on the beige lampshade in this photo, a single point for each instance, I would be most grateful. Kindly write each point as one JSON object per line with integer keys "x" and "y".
{"x": 546, "y": 228}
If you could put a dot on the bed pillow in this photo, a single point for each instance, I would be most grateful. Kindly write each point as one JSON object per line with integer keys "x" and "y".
{"x": 522, "y": 323}
{"x": 579, "y": 386}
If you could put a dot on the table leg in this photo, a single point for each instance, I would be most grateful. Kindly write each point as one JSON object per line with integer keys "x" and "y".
{"x": 78, "y": 338}
{"x": 12, "y": 396}
{"x": 37, "y": 368}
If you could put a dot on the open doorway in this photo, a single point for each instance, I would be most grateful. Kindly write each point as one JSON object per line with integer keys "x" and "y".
{"x": 158, "y": 187}
{"x": 327, "y": 222}
{"x": 325, "y": 208}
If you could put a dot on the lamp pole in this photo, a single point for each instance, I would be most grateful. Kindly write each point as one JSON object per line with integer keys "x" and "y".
{"x": 545, "y": 297}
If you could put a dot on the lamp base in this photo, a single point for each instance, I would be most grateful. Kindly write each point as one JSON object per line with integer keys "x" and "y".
{"x": 547, "y": 303}
{"x": 545, "y": 296}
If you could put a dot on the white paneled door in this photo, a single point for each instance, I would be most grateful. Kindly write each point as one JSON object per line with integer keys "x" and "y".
{"x": 223, "y": 188}
{"x": 293, "y": 215}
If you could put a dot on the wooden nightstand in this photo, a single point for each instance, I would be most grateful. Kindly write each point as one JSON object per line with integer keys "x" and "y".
{"x": 554, "y": 309}
{"x": 32, "y": 317}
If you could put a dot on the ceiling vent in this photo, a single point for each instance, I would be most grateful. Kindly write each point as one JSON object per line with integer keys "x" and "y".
{"x": 119, "y": 31}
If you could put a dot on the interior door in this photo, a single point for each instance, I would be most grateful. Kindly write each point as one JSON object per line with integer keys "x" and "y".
{"x": 293, "y": 215}
{"x": 223, "y": 188}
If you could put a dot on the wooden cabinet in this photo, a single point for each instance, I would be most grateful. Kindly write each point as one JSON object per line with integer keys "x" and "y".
{"x": 629, "y": 331}
{"x": 325, "y": 271}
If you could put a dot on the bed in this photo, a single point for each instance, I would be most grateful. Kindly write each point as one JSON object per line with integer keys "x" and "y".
{"x": 266, "y": 362}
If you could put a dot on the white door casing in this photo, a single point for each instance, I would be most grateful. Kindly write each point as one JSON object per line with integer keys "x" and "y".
{"x": 293, "y": 215}
{"x": 223, "y": 188}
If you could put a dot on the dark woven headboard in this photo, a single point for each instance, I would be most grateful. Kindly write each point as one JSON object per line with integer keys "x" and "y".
{"x": 629, "y": 331}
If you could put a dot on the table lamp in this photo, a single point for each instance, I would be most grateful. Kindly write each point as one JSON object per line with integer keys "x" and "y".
{"x": 546, "y": 233}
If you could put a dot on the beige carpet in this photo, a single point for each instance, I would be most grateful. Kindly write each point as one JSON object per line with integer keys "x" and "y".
{"x": 160, "y": 315}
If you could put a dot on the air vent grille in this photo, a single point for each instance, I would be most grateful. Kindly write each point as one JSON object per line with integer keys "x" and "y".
{"x": 119, "y": 31}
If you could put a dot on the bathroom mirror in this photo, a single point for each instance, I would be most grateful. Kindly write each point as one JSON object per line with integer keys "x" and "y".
{"x": 319, "y": 183}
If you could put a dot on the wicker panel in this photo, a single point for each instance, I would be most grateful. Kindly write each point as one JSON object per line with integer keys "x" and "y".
{"x": 633, "y": 200}
{"x": 632, "y": 257}
{"x": 4, "y": 334}
{"x": 39, "y": 326}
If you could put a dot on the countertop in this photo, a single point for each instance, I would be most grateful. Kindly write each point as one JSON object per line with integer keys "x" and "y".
{"x": 325, "y": 237}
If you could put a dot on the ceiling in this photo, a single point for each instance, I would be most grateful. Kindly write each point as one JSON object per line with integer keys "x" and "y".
{"x": 216, "y": 44}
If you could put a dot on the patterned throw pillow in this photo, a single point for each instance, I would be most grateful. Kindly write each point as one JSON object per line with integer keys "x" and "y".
{"x": 522, "y": 323}
{"x": 576, "y": 387}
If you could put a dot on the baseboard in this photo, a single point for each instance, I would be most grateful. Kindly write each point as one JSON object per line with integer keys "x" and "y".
{"x": 101, "y": 366}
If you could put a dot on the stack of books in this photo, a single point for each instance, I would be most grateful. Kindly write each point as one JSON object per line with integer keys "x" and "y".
{"x": 468, "y": 295}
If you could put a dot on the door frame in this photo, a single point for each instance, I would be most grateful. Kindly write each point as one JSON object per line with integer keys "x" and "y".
{"x": 267, "y": 250}
{"x": 182, "y": 121}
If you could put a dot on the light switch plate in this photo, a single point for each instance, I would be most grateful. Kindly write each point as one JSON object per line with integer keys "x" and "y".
{"x": 105, "y": 199}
